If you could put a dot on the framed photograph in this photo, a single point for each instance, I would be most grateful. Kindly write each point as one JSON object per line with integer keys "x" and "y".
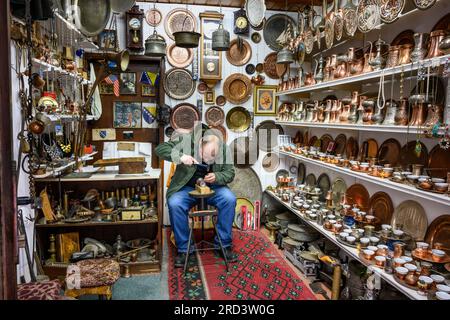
{"x": 106, "y": 88}
{"x": 264, "y": 100}
{"x": 127, "y": 114}
{"x": 128, "y": 83}
{"x": 148, "y": 90}
{"x": 210, "y": 97}
{"x": 149, "y": 115}
{"x": 107, "y": 40}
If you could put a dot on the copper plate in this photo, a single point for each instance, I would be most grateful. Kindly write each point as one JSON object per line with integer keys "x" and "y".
{"x": 323, "y": 182}
{"x": 250, "y": 69}
{"x": 439, "y": 162}
{"x": 358, "y": 194}
{"x": 404, "y": 37}
{"x": 389, "y": 152}
{"x": 184, "y": 116}
{"x": 179, "y": 57}
{"x": 369, "y": 149}
{"x": 221, "y": 132}
{"x": 245, "y": 152}
{"x": 351, "y": 148}
{"x": 221, "y": 100}
{"x": 179, "y": 84}
{"x": 310, "y": 180}
{"x": 312, "y": 141}
{"x": 325, "y": 140}
{"x": 439, "y": 232}
{"x": 408, "y": 155}
{"x": 244, "y": 178}
{"x": 340, "y": 143}
{"x": 238, "y": 56}
{"x": 264, "y": 131}
{"x": 179, "y": 20}
{"x": 259, "y": 67}
{"x": 237, "y": 88}
{"x": 381, "y": 207}
{"x": 411, "y": 216}
{"x": 214, "y": 116}
{"x": 338, "y": 188}
{"x": 238, "y": 119}
{"x": 270, "y": 162}
{"x": 270, "y": 66}
{"x": 202, "y": 88}
{"x": 301, "y": 172}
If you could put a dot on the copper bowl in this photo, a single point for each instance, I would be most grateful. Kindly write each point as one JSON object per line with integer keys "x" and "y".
{"x": 426, "y": 185}
{"x": 437, "y": 255}
{"x": 368, "y": 254}
{"x": 441, "y": 186}
{"x": 401, "y": 272}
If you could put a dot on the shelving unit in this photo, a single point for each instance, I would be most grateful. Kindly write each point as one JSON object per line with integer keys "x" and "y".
{"x": 352, "y": 252}
{"x": 68, "y": 27}
{"x": 93, "y": 224}
{"x": 58, "y": 170}
{"x": 49, "y": 69}
{"x": 110, "y": 176}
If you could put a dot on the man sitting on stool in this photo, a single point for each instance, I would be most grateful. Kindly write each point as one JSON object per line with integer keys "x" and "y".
{"x": 215, "y": 167}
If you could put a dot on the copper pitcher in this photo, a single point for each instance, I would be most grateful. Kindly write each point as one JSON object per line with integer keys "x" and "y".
{"x": 367, "y": 58}
{"x": 327, "y": 110}
{"x": 419, "y": 113}
{"x": 369, "y": 108}
{"x": 309, "y": 79}
{"x": 435, "y": 38}
{"x": 356, "y": 66}
{"x": 393, "y": 56}
{"x": 435, "y": 115}
{"x": 360, "y": 109}
{"x": 405, "y": 53}
{"x": 420, "y": 45}
{"x": 343, "y": 117}
{"x": 401, "y": 116}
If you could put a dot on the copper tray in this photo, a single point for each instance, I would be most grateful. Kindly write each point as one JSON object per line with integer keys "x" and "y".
{"x": 403, "y": 283}
{"x": 339, "y": 188}
{"x": 351, "y": 148}
{"x": 439, "y": 232}
{"x": 274, "y": 27}
{"x": 179, "y": 20}
{"x": 411, "y": 215}
{"x": 325, "y": 140}
{"x": 408, "y": 155}
{"x": 238, "y": 56}
{"x": 323, "y": 182}
{"x": 369, "y": 149}
{"x": 238, "y": 119}
{"x": 270, "y": 162}
{"x": 358, "y": 194}
{"x": 310, "y": 180}
{"x": 214, "y": 116}
{"x": 301, "y": 172}
{"x": 244, "y": 178}
{"x": 389, "y": 152}
{"x": 340, "y": 143}
{"x": 381, "y": 206}
{"x": 270, "y": 142}
{"x": 221, "y": 132}
{"x": 428, "y": 257}
{"x": 221, "y": 101}
{"x": 237, "y": 88}
{"x": 179, "y": 84}
{"x": 270, "y": 66}
{"x": 404, "y": 37}
{"x": 245, "y": 152}
{"x": 179, "y": 57}
{"x": 184, "y": 116}
{"x": 439, "y": 162}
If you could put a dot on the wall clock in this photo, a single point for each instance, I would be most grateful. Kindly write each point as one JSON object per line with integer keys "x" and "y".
{"x": 241, "y": 24}
{"x": 210, "y": 60}
{"x": 134, "y": 19}
{"x": 178, "y": 84}
{"x": 153, "y": 17}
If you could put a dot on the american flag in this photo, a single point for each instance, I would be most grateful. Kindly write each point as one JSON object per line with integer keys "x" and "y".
{"x": 114, "y": 80}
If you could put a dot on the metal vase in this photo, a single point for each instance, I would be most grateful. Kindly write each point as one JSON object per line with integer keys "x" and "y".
{"x": 420, "y": 45}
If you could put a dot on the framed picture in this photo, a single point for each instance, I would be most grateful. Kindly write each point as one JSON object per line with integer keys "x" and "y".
{"x": 107, "y": 40}
{"x": 128, "y": 83}
{"x": 149, "y": 115}
{"x": 106, "y": 88}
{"x": 264, "y": 100}
{"x": 148, "y": 90}
{"x": 127, "y": 114}
{"x": 210, "y": 97}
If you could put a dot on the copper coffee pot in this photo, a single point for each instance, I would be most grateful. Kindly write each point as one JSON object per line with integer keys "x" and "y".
{"x": 360, "y": 109}
{"x": 435, "y": 38}
{"x": 419, "y": 113}
{"x": 401, "y": 116}
{"x": 420, "y": 45}
{"x": 435, "y": 115}
{"x": 369, "y": 108}
{"x": 393, "y": 56}
{"x": 405, "y": 53}
{"x": 367, "y": 58}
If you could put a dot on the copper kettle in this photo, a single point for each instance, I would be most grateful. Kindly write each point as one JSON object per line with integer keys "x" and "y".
{"x": 401, "y": 115}
{"x": 435, "y": 38}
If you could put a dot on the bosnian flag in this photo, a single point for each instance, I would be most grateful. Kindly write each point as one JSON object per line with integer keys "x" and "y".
{"x": 114, "y": 80}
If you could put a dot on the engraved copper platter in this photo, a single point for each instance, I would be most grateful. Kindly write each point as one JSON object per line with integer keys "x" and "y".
{"x": 214, "y": 116}
{"x": 276, "y": 29}
{"x": 408, "y": 155}
{"x": 264, "y": 131}
{"x": 381, "y": 207}
{"x": 179, "y": 57}
{"x": 340, "y": 143}
{"x": 243, "y": 178}
{"x": 410, "y": 215}
{"x": 179, "y": 84}
{"x": 424, "y": 4}
{"x": 389, "y": 152}
{"x": 369, "y": 149}
{"x": 339, "y": 188}
{"x": 391, "y": 9}
{"x": 270, "y": 66}
{"x": 184, "y": 116}
{"x": 439, "y": 232}
{"x": 339, "y": 25}
{"x": 179, "y": 20}
{"x": 239, "y": 54}
{"x": 323, "y": 182}
{"x": 325, "y": 140}
{"x": 439, "y": 162}
{"x": 237, "y": 88}
{"x": 358, "y": 194}
{"x": 221, "y": 100}
{"x": 270, "y": 162}
{"x": 238, "y": 119}
{"x": 351, "y": 149}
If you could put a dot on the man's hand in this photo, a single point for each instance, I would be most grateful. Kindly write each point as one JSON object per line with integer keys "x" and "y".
{"x": 188, "y": 160}
{"x": 210, "y": 178}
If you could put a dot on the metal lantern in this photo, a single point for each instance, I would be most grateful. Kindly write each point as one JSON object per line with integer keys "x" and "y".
{"x": 155, "y": 45}
{"x": 285, "y": 56}
{"x": 221, "y": 39}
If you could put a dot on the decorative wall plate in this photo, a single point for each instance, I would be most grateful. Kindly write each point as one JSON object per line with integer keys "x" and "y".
{"x": 340, "y": 143}
{"x": 381, "y": 207}
{"x": 264, "y": 132}
{"x": 238, "y": 119}
{"x": 179, "y": 20}
{"x": 270, "y": 66}
{"x": 391, "y": 9}
{"x": 91, "y": 17}
{"x": 308, "y": 39}
{"x": 439, "y": 231}
{"x": 389, "y": 152}
{"x": 255, "y": 11}
{"x": 184, "y": 116}
{"x": 256, "y": 37}
{"x": 270, "y": 162}
{"x": 339, "y": 188}
{"x": 237, "y": 88}
{"x": 202, "y": 87}
{"x": 410, "y": 215}
{"x": 153, "y": 17}
{"x": 214, "y": 116}
{"x": 329, "y": 33}
{"x": 351, "y": 149}
{"x": 408, "y": 155}
{"x": 368, "y": 15}
{"x": 358, "y": 194}
{"x": 240, "y": 52}
{"x": 179, "y": 57}
{"x": 339, "y": 25}
{"x": 250, "y": 69}
{"x": 244, "y": 178}
{"x": 439, "y": 162}
{"x": 325, "y": 140}
{"x": 277, "y": 29}
{"x": 350, "y": 20}
{"x": 221, "y": 100}
{"x": 178, "y": 83}
{"x": 424, "y": 4}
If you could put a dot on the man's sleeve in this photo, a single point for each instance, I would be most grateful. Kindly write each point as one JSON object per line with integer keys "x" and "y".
{"x": 226, "y": 175}
{"x": 169, "y": 151}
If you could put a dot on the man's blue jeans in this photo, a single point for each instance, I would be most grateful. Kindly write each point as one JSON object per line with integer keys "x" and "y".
{"x": 181, "y": 202}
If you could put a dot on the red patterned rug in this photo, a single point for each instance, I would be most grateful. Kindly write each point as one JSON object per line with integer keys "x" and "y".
{"x": 260, "y": 273}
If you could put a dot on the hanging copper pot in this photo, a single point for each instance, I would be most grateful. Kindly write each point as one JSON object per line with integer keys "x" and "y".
{"x": 435, "y": 38}
{"x": 401, "y": 116}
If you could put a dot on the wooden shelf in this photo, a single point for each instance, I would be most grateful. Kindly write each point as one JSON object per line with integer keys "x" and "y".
{"x": 95, "y": 224}
{"x": 153, "y": 174}
{"x": 70, "y": 28}
{"x": 386, "y": 183}
{"x": 58, "y": 170}
{"x": 49, "y": 69}
{"x": 352, "y": 252}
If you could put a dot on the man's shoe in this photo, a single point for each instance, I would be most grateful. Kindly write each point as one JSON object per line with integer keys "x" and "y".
{"x": 180, "y": 259}
{"x": 231, "y": 256}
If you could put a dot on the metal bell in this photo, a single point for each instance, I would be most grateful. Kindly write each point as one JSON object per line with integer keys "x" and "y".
{"x": 285, "y": 56}
{"x": 155, "y": 45}
{"x": 221, "y": 39}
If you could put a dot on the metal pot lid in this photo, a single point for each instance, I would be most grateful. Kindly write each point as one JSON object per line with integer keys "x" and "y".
{"x": 237, "y": 88}
{"x": 255, "y": 11}
{"x": 179, "y": 20}
{"x": 184, "y": 116}
{"x": 179, "y": 84}
{"x": 250, "y": 69}
{"x": 179, "y": 57}
{"x": 238, "y": 119}
{"x": 277, "y": 28}
{"x": 221, "y": 100}
{"x": 291, "y": 242}
{"x": 270, "y": 162}
{"x": 91, "y": 17}
{"x": 256, "y": 37}
{"x": 271, "y": 68}
{"x": 245, "y": 152}
{"x": 269, "y": 143}
{"x": 214, "y": 116}
{"x": 120, "y": 6}
{"x": 240, "y": 52}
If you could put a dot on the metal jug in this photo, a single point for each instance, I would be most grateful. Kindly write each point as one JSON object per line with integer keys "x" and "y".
{"x": 401, "y": 114}
{"x": 155, "y": 45}
{"x": 435, "y": 38}
{"x": 220, "y": 39}
{"x": 318, "y": 75}
{"x": 379, "y": 61}
{"x": 391, "y": 111}
{"x": 420, "y": 44}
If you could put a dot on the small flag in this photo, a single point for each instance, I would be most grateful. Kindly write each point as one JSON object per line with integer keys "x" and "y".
{"x": 152, "y": 76}
{"x": 114, "y": 80}
{"x": 145, "y": 79}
